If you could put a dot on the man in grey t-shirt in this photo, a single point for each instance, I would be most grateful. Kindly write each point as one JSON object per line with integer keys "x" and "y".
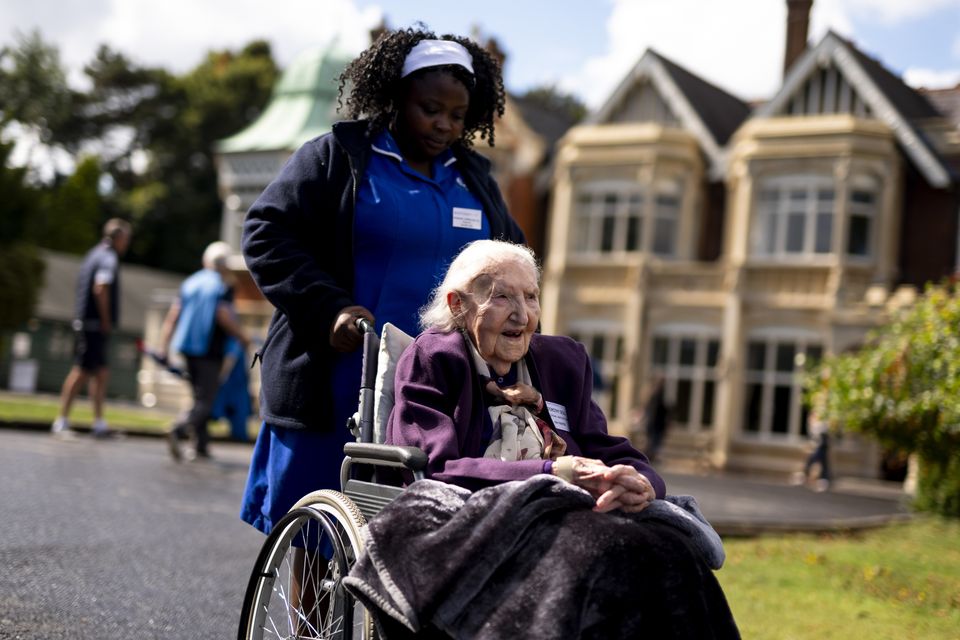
{"x": 97, "y": 314}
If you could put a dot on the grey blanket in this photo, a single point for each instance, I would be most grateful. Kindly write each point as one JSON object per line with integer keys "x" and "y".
{"x": 532, "y": 560}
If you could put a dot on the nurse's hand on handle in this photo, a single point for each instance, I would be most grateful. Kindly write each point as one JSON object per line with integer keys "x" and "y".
{"x": 344, "y": 334}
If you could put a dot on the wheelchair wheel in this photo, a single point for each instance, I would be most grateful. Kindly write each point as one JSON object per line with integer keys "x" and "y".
{"x": 296, "y": 590}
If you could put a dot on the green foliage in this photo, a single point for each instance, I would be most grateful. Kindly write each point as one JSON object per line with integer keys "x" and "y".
{"x": 21, "y": 270}
{"x": 33, "y": 87}
{"x": 903, "y": 388}
{"x": 551, "y": 98}
{"x": 20, "y": 201}
{"x": 21, "y": 276}
{"x": 72, "y": 215}
{"x": 153, "y": 133}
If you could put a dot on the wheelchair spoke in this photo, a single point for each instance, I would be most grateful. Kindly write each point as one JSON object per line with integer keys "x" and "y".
{"x": 296, "y": 591}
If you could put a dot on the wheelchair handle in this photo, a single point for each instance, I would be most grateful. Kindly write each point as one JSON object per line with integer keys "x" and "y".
{"x": 410, "y": 458}
{"x": 364, "y": 325}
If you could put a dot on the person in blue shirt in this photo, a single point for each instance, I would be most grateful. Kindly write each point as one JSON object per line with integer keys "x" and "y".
{"x": 363, "y": 222}
{"x": 197, "y": 325}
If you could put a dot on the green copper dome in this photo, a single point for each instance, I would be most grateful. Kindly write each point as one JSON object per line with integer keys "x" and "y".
{"x": 303, "y": 105}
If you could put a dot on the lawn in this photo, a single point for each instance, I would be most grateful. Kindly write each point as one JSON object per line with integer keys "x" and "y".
{"x": 125, "y": 417}
{"x": 900, "y": 582}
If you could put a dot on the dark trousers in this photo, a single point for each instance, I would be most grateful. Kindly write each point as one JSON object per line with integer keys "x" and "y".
{"x": 822, "y": 455}
{"x": 205, "y": 382}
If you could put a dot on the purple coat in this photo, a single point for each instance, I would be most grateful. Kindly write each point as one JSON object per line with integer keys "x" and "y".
{"x": 439, "y": 408}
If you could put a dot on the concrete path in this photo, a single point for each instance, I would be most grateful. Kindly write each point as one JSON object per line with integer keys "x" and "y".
{"x": 742, "y": 505}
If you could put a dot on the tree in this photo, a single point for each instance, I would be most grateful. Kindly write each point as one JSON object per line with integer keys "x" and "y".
{"x": 153, "y": 133}
{"x": 903, "y": 388}
{"x": 551, "y": 98}
{"x": 72, "y": 214}
{"x": 33, "y": 88}
{"x": 21, "y": 269}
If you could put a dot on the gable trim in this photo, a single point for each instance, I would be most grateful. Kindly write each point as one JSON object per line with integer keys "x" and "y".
{"x": 833, "y": 48}
{"x": 649, "y": 66}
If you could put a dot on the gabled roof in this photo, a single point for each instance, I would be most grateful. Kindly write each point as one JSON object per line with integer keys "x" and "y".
{"x": 947, "y": 102}
{"x": 706, "y": 110}
{"x": 888, "y": 97}
{"x": 549, "y": 123}
{"x": 303, "y": 105}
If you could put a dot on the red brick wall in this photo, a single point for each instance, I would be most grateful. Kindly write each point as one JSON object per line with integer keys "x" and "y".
{"x": 928, "y": 231}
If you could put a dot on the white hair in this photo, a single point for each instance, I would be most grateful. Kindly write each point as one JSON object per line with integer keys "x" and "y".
{"x": 474, "y": 260}
{"x": 216, "y": 254}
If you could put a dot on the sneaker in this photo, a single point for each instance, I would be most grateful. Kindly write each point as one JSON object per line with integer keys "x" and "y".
{"x": 821, "y": 485}
{"x": 192, "y": 455}
{"x": 798, "y": 479}
{"x": 61, "y": 429}
{"x": 60, "y": 425}
{"x": 173, "y": 444}
{"x": 100, "y": 430}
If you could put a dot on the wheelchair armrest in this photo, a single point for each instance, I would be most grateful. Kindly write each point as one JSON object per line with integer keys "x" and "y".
{"x": 412, "y": 458}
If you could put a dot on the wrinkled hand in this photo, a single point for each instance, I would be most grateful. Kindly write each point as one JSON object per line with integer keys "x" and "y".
{"x": 344, "y": 334}
{"x": 617, "y": 487}
{"x": 629, "y": 490}
{"x": 515, "y": 395}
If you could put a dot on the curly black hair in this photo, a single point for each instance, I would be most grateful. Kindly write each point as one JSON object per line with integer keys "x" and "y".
{"x": 376, "y": 85}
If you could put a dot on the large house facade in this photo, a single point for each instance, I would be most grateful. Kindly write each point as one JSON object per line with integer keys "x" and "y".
{"x": 722, "y": 248}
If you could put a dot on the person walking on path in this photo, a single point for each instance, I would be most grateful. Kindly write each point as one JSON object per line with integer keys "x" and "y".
{"x": 656, "y": 418}
{"x": 97, "y": 314}
{"x": 363, "y": 222}
{"x": 197, "y": 326}
{"x": 819, "y": 431}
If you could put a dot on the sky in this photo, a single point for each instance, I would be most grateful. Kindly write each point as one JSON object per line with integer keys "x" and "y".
{"x": 584, "y": 47}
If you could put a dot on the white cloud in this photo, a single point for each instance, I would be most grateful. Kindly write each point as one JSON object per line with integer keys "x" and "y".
{"x": 736, "y": 44}
{"x": 729, "y": 43}
{"x": 177, "y": 33}
{"x": 932, "y": 78}
{"x": 894, "y": 11}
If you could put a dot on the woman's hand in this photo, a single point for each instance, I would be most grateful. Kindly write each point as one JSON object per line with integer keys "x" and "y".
{"x": 617, "y": 487}
{"x": 344, "y": 334}
{"x": 629, "y": 490}
{"x": 516, "y": 395}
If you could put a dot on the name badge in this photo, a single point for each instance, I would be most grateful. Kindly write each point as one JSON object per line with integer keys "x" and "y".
{"x": 558, "y": 413}
{"x": 467, "y": 218}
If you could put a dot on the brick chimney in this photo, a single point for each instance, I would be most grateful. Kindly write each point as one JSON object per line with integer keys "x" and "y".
{"x": 798, "y": 20}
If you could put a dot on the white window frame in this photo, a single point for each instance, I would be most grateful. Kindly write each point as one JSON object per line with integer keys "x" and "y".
{"x": 631, "y": 202}
{"x": 777, "y": 212}
{"x": 608, "y": 362}
{"x": 699, "y": 373}
{"x": 770, "y": 378}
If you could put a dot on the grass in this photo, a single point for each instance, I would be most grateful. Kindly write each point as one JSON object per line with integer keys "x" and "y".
{"x": 43, "y": 409}
{"x": 901, "y": 582}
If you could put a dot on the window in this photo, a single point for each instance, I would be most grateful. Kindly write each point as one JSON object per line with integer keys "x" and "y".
{"x": 794, "y": 216}
{"x": 608, "y": 217}
{"x": 863, "y": 207}
{"x": 606, "y": 351}
{"x": 611, "y": 217}
{"x": 773, "y": 394}
{"x": 687, "y": 360}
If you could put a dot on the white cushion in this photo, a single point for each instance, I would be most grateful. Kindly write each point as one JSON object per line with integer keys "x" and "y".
{"x": 393, "y": 342}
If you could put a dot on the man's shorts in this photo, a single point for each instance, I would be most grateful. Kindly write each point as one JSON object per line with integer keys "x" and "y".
{"x": 89, "y": 350}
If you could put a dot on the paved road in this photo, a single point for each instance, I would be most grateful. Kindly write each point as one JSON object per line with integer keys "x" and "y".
{"x": 736, "y": 505}
{"x": 103, "y": 540}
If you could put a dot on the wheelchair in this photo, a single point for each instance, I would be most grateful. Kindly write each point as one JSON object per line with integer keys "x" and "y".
{"x": 295, "y": 589}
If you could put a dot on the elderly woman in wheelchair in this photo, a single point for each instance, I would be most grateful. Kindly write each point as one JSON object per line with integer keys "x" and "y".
{"x": 527, "y": 519}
